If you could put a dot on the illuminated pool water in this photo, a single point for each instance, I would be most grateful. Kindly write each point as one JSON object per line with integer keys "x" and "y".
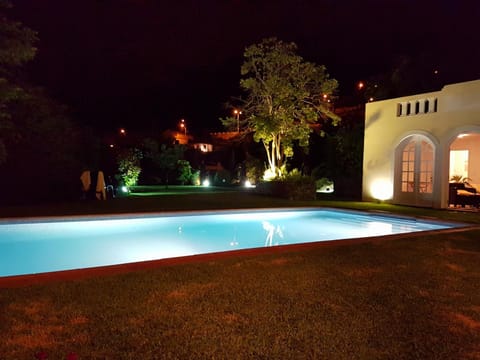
{"x": 44, "y": 246}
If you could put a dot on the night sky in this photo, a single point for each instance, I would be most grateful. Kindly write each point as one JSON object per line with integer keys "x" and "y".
{"x": 145, "y": 64}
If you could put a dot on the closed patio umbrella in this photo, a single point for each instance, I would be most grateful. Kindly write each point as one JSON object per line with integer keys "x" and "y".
{"x": 100, "y": 190}
{"x": 86, "y": 182}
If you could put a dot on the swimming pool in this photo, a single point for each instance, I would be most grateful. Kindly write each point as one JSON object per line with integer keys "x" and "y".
{"x": 53, "y": 245}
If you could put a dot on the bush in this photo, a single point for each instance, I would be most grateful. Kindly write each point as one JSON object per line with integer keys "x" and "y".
{"x": 293, "y": 187}
{"x": 129, "y": 166}
{"x": 196, "y": 177}
{"x": 222, "y": 177}
{"x": 185, "y": 174}
{"x": 324, "y": 185}
{"x": 254, "y": 169}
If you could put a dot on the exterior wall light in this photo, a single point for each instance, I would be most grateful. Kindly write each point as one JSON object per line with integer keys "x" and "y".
{"x": 381, "y": 189}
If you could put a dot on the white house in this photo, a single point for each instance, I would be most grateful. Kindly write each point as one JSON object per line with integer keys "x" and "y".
{"x": 415, "y": 144}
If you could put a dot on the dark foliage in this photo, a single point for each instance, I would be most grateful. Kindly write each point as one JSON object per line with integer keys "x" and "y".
{"x": 294, "y": 188}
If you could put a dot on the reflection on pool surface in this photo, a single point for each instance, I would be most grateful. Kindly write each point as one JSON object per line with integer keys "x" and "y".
{"x": 44, "y": 246}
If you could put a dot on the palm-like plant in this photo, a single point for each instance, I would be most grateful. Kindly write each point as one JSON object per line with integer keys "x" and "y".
{"x": 460, "y": 179}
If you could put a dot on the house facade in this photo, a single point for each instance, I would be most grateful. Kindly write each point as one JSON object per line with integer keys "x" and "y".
{"x": 415, "y": 145}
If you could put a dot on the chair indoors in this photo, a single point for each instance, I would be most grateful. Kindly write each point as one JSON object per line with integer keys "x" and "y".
{"x": 463, "y": 194}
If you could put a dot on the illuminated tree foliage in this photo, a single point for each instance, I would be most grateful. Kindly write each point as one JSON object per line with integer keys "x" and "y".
{"x": 129, "y": 166}
{"x": 285, "y": 97}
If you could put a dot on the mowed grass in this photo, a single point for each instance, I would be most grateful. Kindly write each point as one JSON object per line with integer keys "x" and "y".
{"x": 404, "y": 298}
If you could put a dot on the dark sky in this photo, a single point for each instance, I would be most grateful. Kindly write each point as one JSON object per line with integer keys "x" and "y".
{"x": 145, "y": 64}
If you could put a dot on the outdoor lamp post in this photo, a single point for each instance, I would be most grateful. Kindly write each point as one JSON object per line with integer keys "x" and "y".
{"x": 237, "y": 114}
{"x": 183, "y": 126}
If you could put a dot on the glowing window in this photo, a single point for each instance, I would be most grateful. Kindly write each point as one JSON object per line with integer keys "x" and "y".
{"x": 417, "y": 167}
{"x": 408, "y": 167}
{"x": 459, "y": 163}
{"x": 426, "y": 168}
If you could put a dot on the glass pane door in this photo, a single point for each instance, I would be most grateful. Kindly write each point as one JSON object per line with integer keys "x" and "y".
{"x": 414, "y": 172}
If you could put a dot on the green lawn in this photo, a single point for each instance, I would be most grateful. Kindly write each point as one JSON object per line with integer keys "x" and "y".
{"x": 404, "y": 298}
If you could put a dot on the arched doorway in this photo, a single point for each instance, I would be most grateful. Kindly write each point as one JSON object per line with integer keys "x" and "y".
{"x": 464, "y": 168}
{"x": 414, "y": 171}
{"x": 464, "y": 155}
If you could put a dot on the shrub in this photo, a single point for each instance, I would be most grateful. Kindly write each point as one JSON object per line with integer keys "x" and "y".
{"x": 324, "y": 185}
{"x": 185, "y": 175}
{"x": 129, "y": 166}
{"x": 196, "y": 177}
{"x": 293, "y": 186}
{"x": 222, "y": 177}
{"x": 254, "y": 169}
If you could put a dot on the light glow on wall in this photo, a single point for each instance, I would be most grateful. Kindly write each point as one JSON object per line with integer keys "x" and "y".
{"x": 381, "y": 189}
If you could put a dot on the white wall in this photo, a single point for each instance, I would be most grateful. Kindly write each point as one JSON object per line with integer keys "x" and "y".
{"x": 457, "y": 111}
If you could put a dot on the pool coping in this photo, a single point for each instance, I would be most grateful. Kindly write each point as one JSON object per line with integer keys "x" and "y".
{"x": 199, "y": 212}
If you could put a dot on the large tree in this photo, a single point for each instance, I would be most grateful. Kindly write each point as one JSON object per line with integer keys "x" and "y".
{"x": 40, "y": 155}
{"x": 286, "y": 97}
{"x": 16, "y": 48}
{"x": 164, "y": 158}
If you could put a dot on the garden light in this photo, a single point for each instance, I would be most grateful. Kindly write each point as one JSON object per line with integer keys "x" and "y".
{"x": 248, "y": 184}
{"x": 382, "y": 189}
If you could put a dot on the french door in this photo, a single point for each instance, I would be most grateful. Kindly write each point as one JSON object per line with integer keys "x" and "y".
{"x": 414, "y": 170}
